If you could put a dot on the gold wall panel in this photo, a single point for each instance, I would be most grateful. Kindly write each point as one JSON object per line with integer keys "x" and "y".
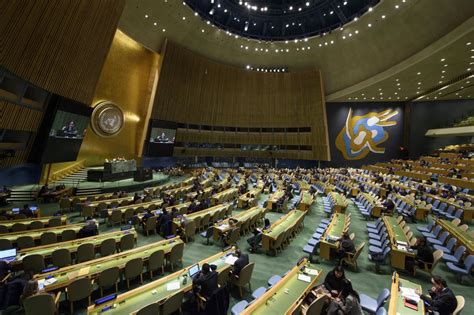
{"x": 127, "y": 79}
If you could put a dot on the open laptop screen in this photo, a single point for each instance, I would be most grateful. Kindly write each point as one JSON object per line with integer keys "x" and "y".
{"x": 194, "y": 269}
{"x": 8, "y": 254}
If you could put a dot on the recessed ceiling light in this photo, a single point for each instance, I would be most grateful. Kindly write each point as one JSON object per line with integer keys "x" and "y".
{"x": 469, "y": 43}
{"x": 164, "y": 30}
{"x": 146, "y": 16}
{"x": 418, "y": 73}
{"x": 383, "y": 16}
{"x": 369, "y": 25}
{"x": 443, "y": 59}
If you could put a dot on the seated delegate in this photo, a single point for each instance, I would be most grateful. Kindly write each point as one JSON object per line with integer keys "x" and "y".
{"x": 255, "y": 240}
{"x": 441, "y": 299}
{"x": 240, "y": 263}
{"x": 205, "y": 281}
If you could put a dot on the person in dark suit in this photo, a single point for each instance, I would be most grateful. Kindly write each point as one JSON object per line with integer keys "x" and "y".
{"x": 205, "y": 282}
{"x": 145, "y": 217}
{"x": 27, "y": 211}
{"x": 90, "y": 229}
{"x": 389, "y": 206}
{"x": 346, "y": 245}
{"x": 136, "y": 197}
{"x": 424, "y": 254}
{"x": 335, "y": 280}
{"x": 441, "y": 299}
{"x": 256, "y": 239}
{"x": 165, "y": 222}
{"x": 240, "y": 263}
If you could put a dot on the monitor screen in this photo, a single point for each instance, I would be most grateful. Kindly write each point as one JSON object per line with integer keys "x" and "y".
{"x": 62, "y": 131}
{"x": 69, "y": 126}
{"x": 16, "y": 210}
{"x": 49, "y": 269}
{"x": 194, "y": 269}
{"x": 162, "y": 135}
{"x": 161, "y": 139}
{"x": 105, "y": 299}
{"x": 8, "y": 253}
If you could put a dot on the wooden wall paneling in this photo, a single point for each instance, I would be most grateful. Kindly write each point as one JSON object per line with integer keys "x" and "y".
{"x": 196, "y": 90}
{"x": 58, "y": 45}
{"x": 15, "y": 117}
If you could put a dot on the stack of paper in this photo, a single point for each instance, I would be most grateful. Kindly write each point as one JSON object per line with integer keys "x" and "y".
{"x": 409, "y": 294}
{"x": 312, "y": 272}
{"x": 230, "y": 260}
{"x": 172, "y": 286}
{"x": 304, "y": 278}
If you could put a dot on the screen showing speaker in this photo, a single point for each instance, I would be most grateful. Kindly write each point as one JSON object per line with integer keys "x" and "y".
{"x": 161, "y": 139}
{"x": 63, "y": 129}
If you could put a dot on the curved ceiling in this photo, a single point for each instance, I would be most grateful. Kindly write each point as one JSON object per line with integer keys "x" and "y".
{"x": 279, "y": 20}
{"x": 376, "y": 43}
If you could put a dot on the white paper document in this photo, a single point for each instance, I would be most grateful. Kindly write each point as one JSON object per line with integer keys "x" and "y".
{"x": 172, "y": 286}
{"x": 230, "y": 260}
{"x": 304, "y": 278}
{"x": 312, "y": 272}
{"x": 409, "y": 294}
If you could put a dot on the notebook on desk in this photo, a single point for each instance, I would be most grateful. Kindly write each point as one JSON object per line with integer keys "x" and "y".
{"x": 410, "y": 304}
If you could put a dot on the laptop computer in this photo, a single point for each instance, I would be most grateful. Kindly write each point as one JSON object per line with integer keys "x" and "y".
{"x": 8, "y": 255}
{"x": 193, "y": 270}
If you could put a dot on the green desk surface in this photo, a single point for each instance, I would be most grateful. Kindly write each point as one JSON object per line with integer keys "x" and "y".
{"x": 338, "y": 199}
{"x": 397, "y": 230}
{"x": 466, "y": 237}
{"x": 284, "y": 223}
{"x": 36, "y": 234}
{"x": 225, "y": 192}
{"x": 241, "y": 217}
{"x": 281, "y": 301}
{"x": 276, "y": 195}
{"x": 156, "y": 291}
{"x": 45, "y": 220}
{"x": 202, "y": 213}
{"x": 400, "y": 303}
{"x": 178, "y": 190}
{"x": 96, "y": 266}
{"x": 108, "y": 201}
{"x": 250, "y": 213}
{"x": 307, "y": 198}
{"x": 145, "y": 205}
{"x": 337, "y": 224}
{"x": 72, "y": 246}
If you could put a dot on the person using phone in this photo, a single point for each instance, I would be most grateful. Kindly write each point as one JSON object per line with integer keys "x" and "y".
{"x": 440, "y": 299}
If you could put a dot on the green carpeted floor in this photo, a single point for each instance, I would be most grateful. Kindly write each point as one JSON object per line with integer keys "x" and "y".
{"x": 365, "y": 280}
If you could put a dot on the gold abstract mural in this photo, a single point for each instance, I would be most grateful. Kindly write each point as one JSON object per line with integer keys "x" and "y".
{"x": 364, "y": 134}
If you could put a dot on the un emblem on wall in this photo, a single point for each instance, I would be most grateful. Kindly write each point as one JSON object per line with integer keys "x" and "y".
{"x": 107, "y": 119}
